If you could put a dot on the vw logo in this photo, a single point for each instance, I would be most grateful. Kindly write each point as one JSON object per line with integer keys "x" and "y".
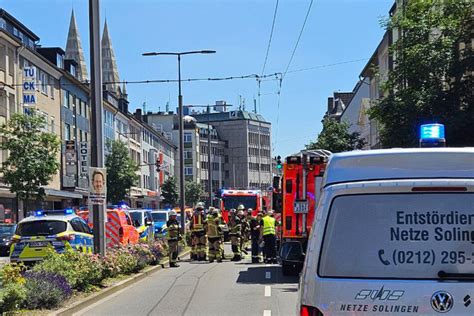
{"x": 442, "y": 302}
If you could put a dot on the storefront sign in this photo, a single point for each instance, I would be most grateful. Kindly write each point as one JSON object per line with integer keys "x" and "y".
{"x": 69, "y": 180}
{"x": 29, "y": 86}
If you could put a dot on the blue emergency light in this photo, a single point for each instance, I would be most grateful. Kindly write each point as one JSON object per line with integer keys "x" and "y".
{"x": 39, "y": 213}
{"x": 431, "y": 131}
{"x": 68, "y": 211}
{"x": 432, "y": 135}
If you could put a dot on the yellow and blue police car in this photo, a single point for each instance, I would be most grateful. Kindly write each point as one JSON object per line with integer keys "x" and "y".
{"x": 44, "y": 230}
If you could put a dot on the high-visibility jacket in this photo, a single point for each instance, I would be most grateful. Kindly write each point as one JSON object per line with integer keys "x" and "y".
{"x": 198, "y": 222}
{"x": 173, "y": 230}
{"x": 235, "y": 227}
{"x": 268, "y": 226}
{"x": 212, "y": 226}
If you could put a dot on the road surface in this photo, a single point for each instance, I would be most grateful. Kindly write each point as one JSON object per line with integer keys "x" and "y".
{"x": 198, "y": 288}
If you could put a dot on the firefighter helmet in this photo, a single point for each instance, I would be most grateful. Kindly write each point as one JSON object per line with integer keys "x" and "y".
{"x": 172, "y": 213}
{"x": 200, "y": 205}
{"x": 249, "y": 211}
{"x": 241, "y": 207}
{"x": 240, "y": 213}
{"x": 213, "y": 211}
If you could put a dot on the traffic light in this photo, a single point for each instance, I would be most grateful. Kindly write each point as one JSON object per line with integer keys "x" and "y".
{"x": 158, "y": 164}
{"x": 279, "y": 165}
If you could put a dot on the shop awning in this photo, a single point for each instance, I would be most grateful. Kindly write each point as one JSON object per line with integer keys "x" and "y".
{"x": 62, "y": 194}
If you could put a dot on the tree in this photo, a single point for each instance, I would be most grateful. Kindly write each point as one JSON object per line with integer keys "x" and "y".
{"x": 194, "y": 192}
{"x": 169, "y": 192}
{"x": 32, "y": 159}
{"x": 121, "y": 172}
{"x": 335, "y": 137}
{"x": 432, "y": 79}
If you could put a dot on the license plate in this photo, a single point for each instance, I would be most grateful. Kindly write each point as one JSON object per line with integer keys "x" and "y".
{"x": 38, "y": 244}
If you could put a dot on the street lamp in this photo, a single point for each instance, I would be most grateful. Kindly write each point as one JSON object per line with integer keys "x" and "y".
{"x": 181, "y": 127}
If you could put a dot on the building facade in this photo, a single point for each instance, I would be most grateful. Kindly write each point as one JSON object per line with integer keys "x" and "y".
{"x": 62, "y": 95}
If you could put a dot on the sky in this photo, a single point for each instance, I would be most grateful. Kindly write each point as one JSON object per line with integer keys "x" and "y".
{"x": 337, "y": 32}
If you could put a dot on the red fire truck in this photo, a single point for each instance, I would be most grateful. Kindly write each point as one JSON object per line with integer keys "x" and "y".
{"x": 301, "y": 186}
{"x": 253, "y": 199}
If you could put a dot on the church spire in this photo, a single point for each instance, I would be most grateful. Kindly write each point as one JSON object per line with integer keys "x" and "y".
{"x": 74, "y": 49}
{"x": 109, "y": 63}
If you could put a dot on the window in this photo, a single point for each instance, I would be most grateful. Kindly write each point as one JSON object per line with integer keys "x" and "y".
{"x": 227, "y": 174}
{"x": 3, "y": 60}
{"x": 188, "y": 171}
{"x": 399, "y": 236}
{"x": 41, "y": 228}
{"x": 67, "y": 131}
{"x": 44, "y": 82}
{"x": 226, "y": 158}
{"x": 60, "y": 61}
{"x": 53, "y": 129}
{"x": 11, "y": 60}
{"x": 65, "y": 98}
{"x": 188, "y": 138}
{"x": 215, "y": 166}
{"x": 188, "y": 154}
{"x": 76, "y": 225}
{"x": 204, "y": 164}
{"x": 145, "y": 156}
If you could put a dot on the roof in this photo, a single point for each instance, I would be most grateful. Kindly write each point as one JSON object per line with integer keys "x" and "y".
{"x": 229, "y": 116}
{"x": 56, "y": 217}
{"x": 412, "y": 163}
{"x": 18, "y": 24}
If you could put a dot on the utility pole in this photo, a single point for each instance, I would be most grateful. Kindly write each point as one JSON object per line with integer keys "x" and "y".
{"x": 181, "y": 128}
{"x": 209, "y": 170}
{"x": 97, "y": 144}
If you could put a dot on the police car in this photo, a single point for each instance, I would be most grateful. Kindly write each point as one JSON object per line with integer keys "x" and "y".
{"x": 393, "y": 235}
{"x": 44, "y": 230}
{"x": 142, "y": 219}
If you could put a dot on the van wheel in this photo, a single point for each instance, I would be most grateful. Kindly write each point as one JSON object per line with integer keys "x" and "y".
{"x": 286, "y": 269}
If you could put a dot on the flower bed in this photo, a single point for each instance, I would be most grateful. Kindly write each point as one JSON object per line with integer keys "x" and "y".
{"x": 52, "y": 281}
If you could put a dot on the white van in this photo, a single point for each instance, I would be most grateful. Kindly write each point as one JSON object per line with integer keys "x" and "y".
{"x": 393, "y": 235}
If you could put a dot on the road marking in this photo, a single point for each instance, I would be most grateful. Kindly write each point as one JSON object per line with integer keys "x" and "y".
{"x": 268, "y": 275}
{"x": 268, "y": 291}
{"x": 267, "y": 312}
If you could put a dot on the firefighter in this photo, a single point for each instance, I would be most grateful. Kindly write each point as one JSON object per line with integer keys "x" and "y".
{"x": 269, "y": 237}
{"x": 255, "y": 234}
{"x": 173, "y": 238}
{"x": 235, "y": 231}
{"x": 198, "y": 251}
{"x": 221, "y": 223}
{"x": 214, "y": 232}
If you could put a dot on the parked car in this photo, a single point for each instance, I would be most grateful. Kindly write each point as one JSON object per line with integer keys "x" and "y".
{"x": 6, "y": 233}
{"x": 393, "y": 235}
{"x": 57, "y": 230}
{"x": 160, "y": 217}
{"x": 143, "y": 222}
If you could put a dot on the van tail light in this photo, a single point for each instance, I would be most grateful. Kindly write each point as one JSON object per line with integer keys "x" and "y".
{"x": 65, "y": 237}
{"x": 16, "y": 239}
{"x": 309, "y": 311}
{"x": 121, "y": 232}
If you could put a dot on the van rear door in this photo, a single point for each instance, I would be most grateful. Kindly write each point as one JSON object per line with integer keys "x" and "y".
{"x": 397, "y": 253}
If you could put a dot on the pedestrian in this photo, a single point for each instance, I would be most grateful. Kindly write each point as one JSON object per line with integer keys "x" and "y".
{"x": 269, "y": 237}
{"x": 213, "y": 235}
{"x": 198, "y": 250}
{"x": 255, "y": 235}
{"x": 235, "y": 231}
{"x": 173, "y": 238}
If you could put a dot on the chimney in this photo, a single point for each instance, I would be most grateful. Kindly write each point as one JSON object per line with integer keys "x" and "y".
{"x": 138, "y": 115}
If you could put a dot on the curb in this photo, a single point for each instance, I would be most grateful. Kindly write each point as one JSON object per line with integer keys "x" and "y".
{"x": 94, "y": 298}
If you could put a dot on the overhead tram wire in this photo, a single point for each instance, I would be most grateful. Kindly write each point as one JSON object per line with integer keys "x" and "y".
{"x": 286, "y": 70}
{"x": 259, "y": 81}
{"x": 273, "y": 76}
